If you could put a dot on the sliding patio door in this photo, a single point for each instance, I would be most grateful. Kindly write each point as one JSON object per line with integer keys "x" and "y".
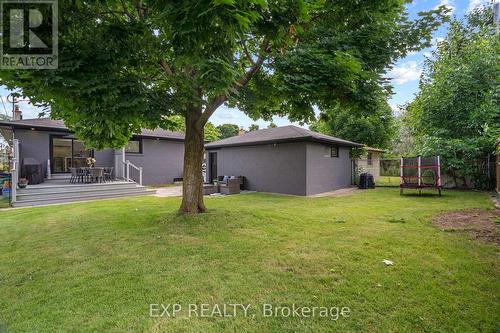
{"x": 66, "y": 153}
{"x": 80, "y": 154}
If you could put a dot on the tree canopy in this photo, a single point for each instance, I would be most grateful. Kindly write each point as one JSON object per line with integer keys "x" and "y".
{"x": 211, "y": 133}
{"x": 125, "y": 65}
{"x": 456, "y": 114}
{"x": 253, "y": 127}
{"x": 371, "y": 124}
{"x": 228, "y": 130}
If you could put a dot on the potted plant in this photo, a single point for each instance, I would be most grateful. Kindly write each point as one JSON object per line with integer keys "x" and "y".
{"x": 90, "y": 162}
{"x": 23, "y": 182}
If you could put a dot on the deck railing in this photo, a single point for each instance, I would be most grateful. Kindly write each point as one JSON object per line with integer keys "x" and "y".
{"x": 133, "y": 173}
{"x": 14, "y": 169}
{"x": 49, "y": 173}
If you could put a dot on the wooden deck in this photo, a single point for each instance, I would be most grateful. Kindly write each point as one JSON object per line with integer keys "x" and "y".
{"x": 60, "y": 190}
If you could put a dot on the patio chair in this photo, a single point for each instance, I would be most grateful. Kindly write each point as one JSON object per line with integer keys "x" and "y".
{"x": 209, "y": 189}
{"x": 232, "y": 186}
{"x": 97, "y": 174}
{"x": 77, "y": 175}
{"x": 74, "y": 175}
{"x": 82, "y": 175}
{"x": 108, "y": 172}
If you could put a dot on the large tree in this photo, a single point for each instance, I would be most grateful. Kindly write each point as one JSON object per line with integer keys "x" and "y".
{"x": 371, "y": 124}
{"x": 456, "y": 113}
{"x": 253, "y": 127}
{"x": 211, "y": 133}
{"x": 127, "y": 64}
{"x": 228, "y": 130}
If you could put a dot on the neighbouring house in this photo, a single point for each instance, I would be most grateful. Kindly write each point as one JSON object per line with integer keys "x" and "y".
{"x": 369, "y": 162}
{"x": 158, "y": 152}
{"x": 241, "y": 131}
{"x": 289, "y": 159}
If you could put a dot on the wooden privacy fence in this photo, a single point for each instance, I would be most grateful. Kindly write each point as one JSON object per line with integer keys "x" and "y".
{"x": 387, "y": 173}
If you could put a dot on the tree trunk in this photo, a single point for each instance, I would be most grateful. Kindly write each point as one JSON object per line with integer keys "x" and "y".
{"x": 192, "y": 189}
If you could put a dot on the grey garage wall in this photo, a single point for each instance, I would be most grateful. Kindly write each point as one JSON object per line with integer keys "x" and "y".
{"x": 325, "y": 173}
{"x": 279, "y": 168}
{"x": 161, "y": 160}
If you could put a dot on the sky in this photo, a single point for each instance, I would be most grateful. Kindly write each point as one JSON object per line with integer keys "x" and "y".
{"x": 405, "y": 74}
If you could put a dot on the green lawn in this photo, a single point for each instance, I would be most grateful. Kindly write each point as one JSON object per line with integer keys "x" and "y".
{"x": 163, "y": 185}
{"x": 4, "y": 202}
{"x": 388, "y": 181}
{"x": 98, "y": 266}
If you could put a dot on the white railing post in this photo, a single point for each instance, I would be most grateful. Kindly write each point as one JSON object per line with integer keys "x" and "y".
{"x": 131, "y": 172}
{"x": 14, "y": 169}
{"x": 49, "y": 173}
{"x": 123, "y": 162}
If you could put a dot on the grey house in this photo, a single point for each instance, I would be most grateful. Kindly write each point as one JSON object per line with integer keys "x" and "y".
{"x": 159, "y": 153}
{"x": 287, "y": 159}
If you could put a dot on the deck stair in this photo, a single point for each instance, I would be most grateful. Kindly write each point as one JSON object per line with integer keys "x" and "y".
{"x": 59, "y": 190}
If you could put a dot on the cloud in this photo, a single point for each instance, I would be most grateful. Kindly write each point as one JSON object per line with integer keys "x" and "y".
{"x": 450, "y": 4}
{"x": 226, "y": 115}
{"x": 406, "y": 72}
{"x": 29, "y": 110}
{"x": 396, "y": 110}
{"x": 436, "y": 40}
{"x": 473, "y": 4}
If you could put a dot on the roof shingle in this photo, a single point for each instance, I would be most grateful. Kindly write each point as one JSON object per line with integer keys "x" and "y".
{"x": 279, "y": 134}
{"x": 47, "y": 123}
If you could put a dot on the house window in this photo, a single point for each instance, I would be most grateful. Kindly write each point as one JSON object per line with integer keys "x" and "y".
{"x": 134, "y": 146}
{"x": 334, "y": 151}
{"x": 369, "y": 159}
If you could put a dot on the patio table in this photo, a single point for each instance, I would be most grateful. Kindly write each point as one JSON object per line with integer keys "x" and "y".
{"x": 90, "y": 174}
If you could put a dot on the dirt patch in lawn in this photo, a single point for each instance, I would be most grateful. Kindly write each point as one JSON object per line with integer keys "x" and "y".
{"x": 480, "y": 224}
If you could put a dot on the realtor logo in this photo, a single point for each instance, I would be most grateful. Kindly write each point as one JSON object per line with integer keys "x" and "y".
{"x": 29, "y": 34}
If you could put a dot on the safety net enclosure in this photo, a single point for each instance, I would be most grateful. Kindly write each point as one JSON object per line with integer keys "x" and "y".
{"x": 420, "y": 172}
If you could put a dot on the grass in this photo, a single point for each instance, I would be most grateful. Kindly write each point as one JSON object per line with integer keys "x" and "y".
{"x": 4, "y": 202}
{"x": 163, "y": 185}
{"x": 98, "y": 266}
{"x": 388, "y": 181}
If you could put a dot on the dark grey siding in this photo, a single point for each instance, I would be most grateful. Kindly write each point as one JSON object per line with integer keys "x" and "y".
{"x": 105, "y": 158}
{"x": 279, "y": 168}
{"x": 325, "y": 173}
{"x": 161, "y": 160}
{"x": 34, "y": 144}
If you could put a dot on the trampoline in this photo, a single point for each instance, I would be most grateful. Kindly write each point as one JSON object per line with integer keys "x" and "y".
{"x": 420, "y": 172}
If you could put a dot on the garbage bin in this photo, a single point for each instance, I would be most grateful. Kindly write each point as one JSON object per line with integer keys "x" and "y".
{"x": 366, "y": 181}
